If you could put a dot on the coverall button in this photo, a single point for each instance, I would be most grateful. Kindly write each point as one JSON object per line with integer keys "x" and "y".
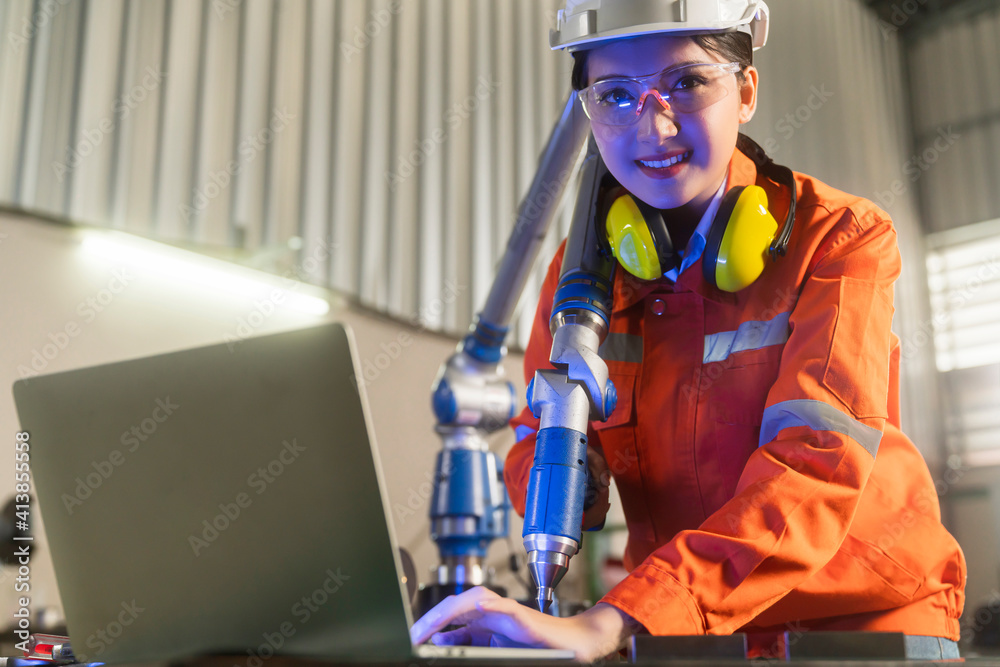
{"x": 657, "y": 307}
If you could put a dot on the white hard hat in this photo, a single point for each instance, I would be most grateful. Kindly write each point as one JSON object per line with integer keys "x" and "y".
{"x": 585, "y": 23}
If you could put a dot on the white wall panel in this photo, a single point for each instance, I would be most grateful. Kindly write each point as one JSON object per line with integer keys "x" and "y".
{"x": 87, "y": 161}
{"x": 527, "y": 133}
{"x": 215, "y": 139}
{"x": 373, "y": 282}
{"x": 17, "y": 24}
{"x": 52, "y": 107}
{"x": 404, "y": 225}
{"x": 175, "y": 194}
{"x": 252, "y": 115}
{"x": 351, "y": 102}
{"x": 285, "y": 123}
{"x": 318, "y": 144}
{"x": 483, "y": 124}
{"x": 428, "y": 152}
{"x": 137, "y": 117}
{"x": 461, "y": 107}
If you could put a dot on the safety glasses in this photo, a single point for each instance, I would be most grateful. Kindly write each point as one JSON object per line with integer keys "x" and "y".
{"x": 683, "y": 89}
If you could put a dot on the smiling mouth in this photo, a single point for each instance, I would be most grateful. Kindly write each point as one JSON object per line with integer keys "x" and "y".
{"x": 660, "y": 164}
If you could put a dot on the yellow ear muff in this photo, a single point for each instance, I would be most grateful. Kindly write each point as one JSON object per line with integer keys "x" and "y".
{"x": 631, "y": 240}
{"x": 738, "y": 243}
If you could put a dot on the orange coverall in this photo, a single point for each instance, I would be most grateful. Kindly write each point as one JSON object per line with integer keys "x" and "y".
{"x": 756, "y": 445}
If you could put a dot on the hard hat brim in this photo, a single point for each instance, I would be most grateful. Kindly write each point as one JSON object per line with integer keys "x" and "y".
{"x": 601, "y": 38}
{"x": 589, "y": 29}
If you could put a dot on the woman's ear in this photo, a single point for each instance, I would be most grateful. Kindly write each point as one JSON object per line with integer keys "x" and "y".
{"x": 748, "y": 94}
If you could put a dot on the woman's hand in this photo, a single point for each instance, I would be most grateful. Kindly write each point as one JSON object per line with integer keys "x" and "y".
{"x": 490, "y": 620}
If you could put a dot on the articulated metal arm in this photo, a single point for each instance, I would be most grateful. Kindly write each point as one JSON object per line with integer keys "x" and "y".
{"x": 471, "y": 396}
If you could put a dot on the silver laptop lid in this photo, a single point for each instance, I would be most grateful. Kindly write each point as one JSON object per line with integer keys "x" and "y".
{"x": 218, "y": 500}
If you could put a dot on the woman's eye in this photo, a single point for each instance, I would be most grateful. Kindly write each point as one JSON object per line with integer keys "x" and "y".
{"x": 616, "y": 97}
{"x": 689, "y": 83}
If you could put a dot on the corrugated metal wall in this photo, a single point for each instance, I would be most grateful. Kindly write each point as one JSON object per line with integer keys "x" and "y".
{"x": 401, "y": 133}
{"x": 956, "y": 112}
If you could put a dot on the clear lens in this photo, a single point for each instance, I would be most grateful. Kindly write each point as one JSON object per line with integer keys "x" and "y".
{"x": 686, "y": 89}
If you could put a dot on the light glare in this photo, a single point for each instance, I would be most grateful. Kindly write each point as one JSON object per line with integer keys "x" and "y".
{"x": 203, "y": 272}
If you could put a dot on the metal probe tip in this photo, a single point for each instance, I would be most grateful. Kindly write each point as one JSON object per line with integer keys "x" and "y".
{"x": 544, "y": 599}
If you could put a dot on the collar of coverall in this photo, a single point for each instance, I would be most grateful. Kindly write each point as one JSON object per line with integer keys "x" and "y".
{"x": 629, "y": 290}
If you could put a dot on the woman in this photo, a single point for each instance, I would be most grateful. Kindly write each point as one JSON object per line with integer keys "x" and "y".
{"x": 756, "y": 444}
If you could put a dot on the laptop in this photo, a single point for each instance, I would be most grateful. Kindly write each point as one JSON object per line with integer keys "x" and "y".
{"x": 222, "y": 500}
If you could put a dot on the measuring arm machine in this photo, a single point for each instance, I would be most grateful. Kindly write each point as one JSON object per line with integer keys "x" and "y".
{"x": 472, "y": 398}
{"x": 566, "y": 398}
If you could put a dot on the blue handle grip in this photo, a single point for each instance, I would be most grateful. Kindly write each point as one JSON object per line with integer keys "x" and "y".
{"x": 557, "y": 484}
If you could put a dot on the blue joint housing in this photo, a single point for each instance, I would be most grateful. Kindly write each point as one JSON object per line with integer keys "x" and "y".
{"x": 464, "y": 488}
{"x": 485, "y": 342}
{"x": 444, "y": 403}
{"x": 557, "y": 484}
{"x": 583, "y": 289}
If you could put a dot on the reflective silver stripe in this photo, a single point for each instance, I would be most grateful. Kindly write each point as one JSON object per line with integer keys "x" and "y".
{"x": 621, "y": 347}
{"x": 749, "y": 336}
{"x": 818, "y": 416}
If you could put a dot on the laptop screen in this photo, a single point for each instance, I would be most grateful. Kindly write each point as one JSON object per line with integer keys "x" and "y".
{"x": 225, "y": 499}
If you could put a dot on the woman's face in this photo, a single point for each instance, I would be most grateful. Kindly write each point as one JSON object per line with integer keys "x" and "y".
{"x": 706, "y": 138}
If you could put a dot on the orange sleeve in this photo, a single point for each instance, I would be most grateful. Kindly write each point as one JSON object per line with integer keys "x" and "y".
{"x": 800, "y": 489}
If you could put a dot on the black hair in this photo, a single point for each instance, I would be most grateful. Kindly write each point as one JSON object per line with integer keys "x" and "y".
{"x": 736, "y": 47}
